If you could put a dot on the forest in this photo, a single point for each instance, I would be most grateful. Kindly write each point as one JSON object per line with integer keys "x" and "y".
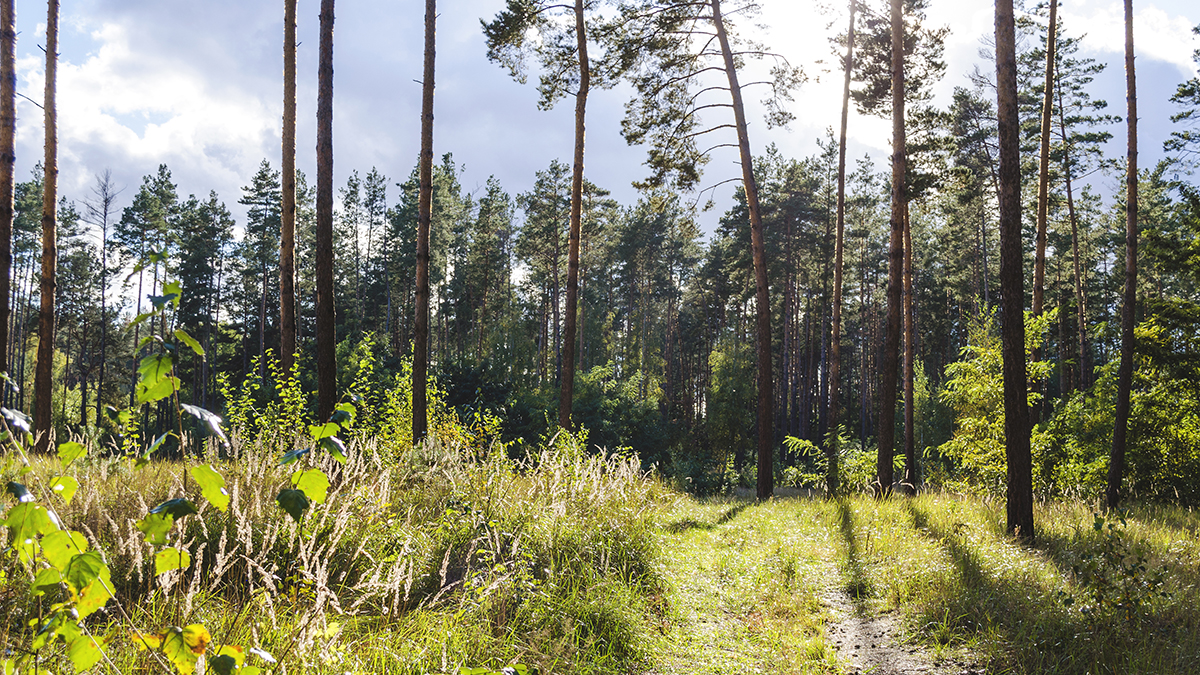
{"x": 418, "y": 427}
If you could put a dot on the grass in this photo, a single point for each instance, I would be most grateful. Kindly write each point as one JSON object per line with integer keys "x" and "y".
{"x": 567, "y": 562}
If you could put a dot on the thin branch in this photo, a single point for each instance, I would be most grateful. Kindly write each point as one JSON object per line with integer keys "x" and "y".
{"x": 709, "y": 130}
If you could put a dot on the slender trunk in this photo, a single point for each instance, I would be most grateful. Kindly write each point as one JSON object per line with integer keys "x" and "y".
{"x": 1116, "y": 463}
{"x": 585, "y": 77}
{"x": 832, "y": 483}
{"x": 326, "y": 338}
{"x": 1012, "y": 281}
{"x": 1084, "y": 379}
{"x": 1043, "y": 207}
{"x": 766, "y": 395}
{"x": 910, "y": 450}
{"x": 891, "y": 347}
{"x": 103, "y": 307}
{"x": 287, "y": 215}
{"x": 42, "y": 387}
{"x": 424, "y": 212}
{"x": 8, "y": 126}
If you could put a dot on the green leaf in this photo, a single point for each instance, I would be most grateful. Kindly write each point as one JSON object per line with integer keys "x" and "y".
{"x": 65, "y": 487}
{"x": 141, "y": 318}
{"x": 26, "y": 523}
{"x": 170, "y": 559}
{"x": 154, "y": 367}
{"x": 250, "y": 670}
{"x": 190, "y": 341}
{"x": 223, "y": 664}
{"x": 294, "y": 502}
{"x": 157, "y": 391}
{"x": 334, "y": 446}
{"x": 327, "y": 430}
{"x": 211, "y": 419}
{"x": 313, "y": 482}
{"x": 88, "y": 578}
{"x": 293, "y": 455}
{"x": 178, "y": 507}
{"x": 18, "y": 491}
{"x": 144, "y": 458}
{"x": 343, "y": 415}
{"x": 69, "y": 452}
{"x": 84, "y": 652}
{"x": 174, "y": 288}
{"x": 156, "y": 526}
{"x": 212, "y": 486}
{"x": 46, "y": 580}
{"x": 59, "y": 547}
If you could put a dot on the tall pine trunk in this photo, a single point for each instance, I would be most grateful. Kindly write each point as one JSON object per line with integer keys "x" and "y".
{"x": 424, "y": 213}
{"x": 909, "y": 484}
{"x": 1116, "y": 463}
{"x": 766, "y": 389}
{"x": 568, "y": 362}
{"x": 42, "y": 386}
{"x": 1084, "y": 364}
{"x": 8, "y": 126}
{"x": 1012, "y": 281}
{"x": 1043, "y": 205}
{"x": 891, "y": 347}
{"x": 832, "y": 482}
{"x": 326, "y": 338}
{"x": 287, "y": 216}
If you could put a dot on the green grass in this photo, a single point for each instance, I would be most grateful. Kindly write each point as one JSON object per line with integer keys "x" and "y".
{"x": 425, "y": 562}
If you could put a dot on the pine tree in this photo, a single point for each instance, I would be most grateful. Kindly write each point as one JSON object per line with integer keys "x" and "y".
{"x": 42, "y": 388}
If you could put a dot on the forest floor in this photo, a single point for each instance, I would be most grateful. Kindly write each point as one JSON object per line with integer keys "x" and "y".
{"x": 765, "y": 588}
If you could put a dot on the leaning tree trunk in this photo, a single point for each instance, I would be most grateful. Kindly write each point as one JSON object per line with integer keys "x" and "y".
{"x": 424, "y": 212}
{"x": 1012, "y": 282}
{"x": 42, "y": 386}
{"x": 326, "y": 338}
{"x": 1043, "y": 206}
{"x": 1116, "y": 463}
{"x": 766, "y": 390}
{"x": 568, "y": 344}
{"x": 891, "y": 345}
{"x": 832, "y": 476}
{"x": 8, "y": 125}
{"x": 287, "y": 215}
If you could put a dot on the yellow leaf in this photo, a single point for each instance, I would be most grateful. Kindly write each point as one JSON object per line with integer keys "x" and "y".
{"x": 234, "y": 651}
{"x": 146, "y": 641}
{"x": 196, "y": 638}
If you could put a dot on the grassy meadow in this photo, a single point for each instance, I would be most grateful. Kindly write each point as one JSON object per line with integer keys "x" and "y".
{"x": 449, "y": 560}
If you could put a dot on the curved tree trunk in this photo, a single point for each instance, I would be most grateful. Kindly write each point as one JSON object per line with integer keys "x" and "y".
{"x": 832, "y": 476}
{"x": 42, "y": 386}
{"x": 568, "y": 344}
{"x": 891, "y": 345}
{"x": 287, "y": 220}
{"x": 326, "y": 338}
{"x": 424, "y": 213}
{"x": 1116, "y": 463}
{"x": 766, "y": 389}
{"x": 1012, "y": 282}
{"x": 1043, "y": 205}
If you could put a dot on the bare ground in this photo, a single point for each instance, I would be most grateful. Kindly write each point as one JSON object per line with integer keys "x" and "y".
{"x": 871, "y": 644}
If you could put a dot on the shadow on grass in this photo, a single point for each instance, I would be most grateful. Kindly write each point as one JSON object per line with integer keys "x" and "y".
{"x": 692, "y": 524}
{"x": 1025, "y": 624}
{"x": 858, "y": 584}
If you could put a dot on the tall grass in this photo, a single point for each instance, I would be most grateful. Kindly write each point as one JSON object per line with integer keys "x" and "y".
{"x": 420, "y": 560}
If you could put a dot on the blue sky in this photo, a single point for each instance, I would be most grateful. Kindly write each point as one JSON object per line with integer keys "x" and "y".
{"x": 197, "y": 85}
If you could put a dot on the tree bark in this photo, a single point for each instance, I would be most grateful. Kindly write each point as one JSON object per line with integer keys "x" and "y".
{"x": 1043, "y": 206}
{"x": 287, "y": 216}
{"x": 766, "y": 390}
{"x": 568, "y": 362}
{"x": 909, "y": 485}
{"x": 1080, "y": 299}
{"x": 42, "y": 386}
{"x": 832, "y": 476}
{"x": 1016, "y": 406}
{"x": 8, "y": 126}
{"x": 1116, "y": 463}
{"x": 326, "y": 337}
{"x": 424, "y": 214}
{"x": 891, "y": 347}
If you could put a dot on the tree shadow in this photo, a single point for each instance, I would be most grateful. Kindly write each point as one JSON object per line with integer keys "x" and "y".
{"x": 858, "y": 584}
{"x": 686, "y": 524}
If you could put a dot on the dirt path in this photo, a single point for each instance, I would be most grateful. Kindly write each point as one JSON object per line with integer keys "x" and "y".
{"x": 870, "y": 644}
